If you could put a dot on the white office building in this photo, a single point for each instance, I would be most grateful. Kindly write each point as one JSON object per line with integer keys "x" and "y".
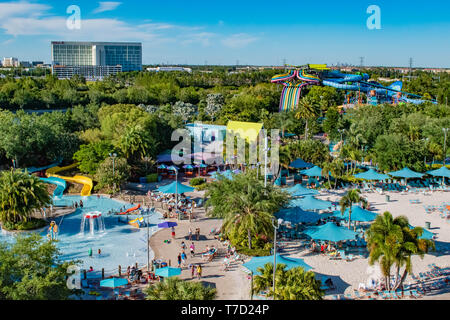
{"x": 10, "y": 62}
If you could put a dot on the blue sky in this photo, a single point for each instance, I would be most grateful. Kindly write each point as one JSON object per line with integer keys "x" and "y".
{"x": 251, "y": 32}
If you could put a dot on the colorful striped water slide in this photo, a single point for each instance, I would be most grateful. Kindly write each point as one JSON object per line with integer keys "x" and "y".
{"x": 87, "y": 183}
{"x": 291, "y": 96}
{"x": 285, "y": 77}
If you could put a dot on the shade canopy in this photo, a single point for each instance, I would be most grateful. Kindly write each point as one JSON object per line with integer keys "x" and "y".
{"x": 297, "y": 215}
{"x": 167, "y": 224}
{"x": 330, "y": 232}
{"x": 358, "y": 214}
{"x": 299, "y": 191}
{"x": 227, "y": 174}
{"x": 313, "y": 172}
{"x": 188, "y": 167}
{"x": 173, "y": 168}
{"x": 175, "y": 187}
{"x": 162, "y": 167}
{"x": 300, "y": 164}
{"x": 260, "y": 262}
{"x": 442, "y": 172}
{"x": 206, "y": 156}
{"x": 311, "y": 203}
{"x": 406, "y": 173}
{"x": 167, "y": 272}
{"x": 371, "y": 175}
{"x": 113, "y": 283}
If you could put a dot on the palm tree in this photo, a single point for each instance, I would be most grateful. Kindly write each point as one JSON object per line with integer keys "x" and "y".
{"x": 176, "y": 289}
{"x": 136, "y": 142}
{"x": 20, "y": 195}
{"x": 337, "y": 170}
{"x": 307, "y": 109}
{"x": 347, "y": 201}
{"x": 327, "y": 167}
{"x": 293, "y": 284}
{"x": 392, "y": 242}
{"x": 245, "y": 204}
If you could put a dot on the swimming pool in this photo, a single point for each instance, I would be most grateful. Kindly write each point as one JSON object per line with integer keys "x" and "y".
{"x": 120, "y": 244}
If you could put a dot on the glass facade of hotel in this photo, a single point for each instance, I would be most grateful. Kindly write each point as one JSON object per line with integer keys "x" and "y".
{"x": 99, "y": 54}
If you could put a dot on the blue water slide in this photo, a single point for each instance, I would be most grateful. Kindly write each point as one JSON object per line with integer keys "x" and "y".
{"x": 60, "y": 184}
{"x": 341, "y": 86}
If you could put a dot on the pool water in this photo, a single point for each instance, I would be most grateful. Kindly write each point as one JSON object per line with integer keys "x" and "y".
{"x": 120, "y": 244}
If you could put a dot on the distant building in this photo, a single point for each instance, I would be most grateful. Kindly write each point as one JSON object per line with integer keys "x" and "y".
{"x": 25, "y": 64}
{"x": 95, "y": 60}
{"x": 37, "y": 63}
{"x": 169, "y": 69}
{"x": 10, "y": 62}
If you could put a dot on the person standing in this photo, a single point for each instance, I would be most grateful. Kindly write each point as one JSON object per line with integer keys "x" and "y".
{"x": 192, "y": 271}
{"x": 192, "y": 248}
{"x": 190, "y": 234}
{"x": 179, "y": 260}
{"x": 199, "y": 272}
{"x": 183, "y": 258}
{"x": 173, "y": 233}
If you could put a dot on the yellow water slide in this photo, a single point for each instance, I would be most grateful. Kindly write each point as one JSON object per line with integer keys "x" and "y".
{"x": 87, "y": 183}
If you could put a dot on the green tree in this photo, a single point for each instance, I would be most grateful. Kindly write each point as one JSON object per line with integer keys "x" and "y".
{"x": 176, "y": 289}
{"x": 391, "y": 242}
{"x": 105, "y": 176}
{"x": 20, "y": 195}
{"x": 348, "y": 200}
{"x": 31, "y": 270}
{"x": 306, "y": 110}
{"x": 245, "y": 204}
{"x": 91, "y": 155}
{"x": 292, "y": 284}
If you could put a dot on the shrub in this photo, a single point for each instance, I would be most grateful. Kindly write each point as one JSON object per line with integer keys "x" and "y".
{"x": 197, "y": 181}
{"x": 31, "y": 224}
{"x": 201, "y": 187}
{"x": 153, "y": 177}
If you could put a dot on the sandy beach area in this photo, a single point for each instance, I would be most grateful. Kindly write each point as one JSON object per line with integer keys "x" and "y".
{"x": 347, "y": 276}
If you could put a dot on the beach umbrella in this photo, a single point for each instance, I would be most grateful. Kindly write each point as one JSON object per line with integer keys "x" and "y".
{"x": 358, "y": 214}
{"x": 175, "y": 187}
{"x": 371, "y": 175}
{"x": 297, "y": 215}
{"x": 167, "y": 225}
{"x": 313, "y": 172}
{"x": 300, "y": 164}
{"x": 442, "y": 172}
{"x": 167, "y": 272}
{"x": 188, "y": 167}
{"x": 113, "y": 283}
{"x": 162, "y": 167}
{"x": 173, "y": 168}
{"x": 330, "y": 232}
{"x": 311, "y": 203}
{"x": 406, "y": 173}
{"x": 260, "y": 262}
{"x": 299, "y": 191}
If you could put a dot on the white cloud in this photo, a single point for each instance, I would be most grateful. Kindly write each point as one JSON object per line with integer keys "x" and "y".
{"x": 107, "y": 6}
{"x": 21, "y": 9}
{"x": 238, "y": 40}
{"x": 202, "y": 38}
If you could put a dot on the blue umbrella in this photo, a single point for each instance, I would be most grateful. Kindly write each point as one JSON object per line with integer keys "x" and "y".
{"x": 167, "y": 272}
{"x": 371, "y": 175}
{"x": 300, "y": 164}
{"x": 173, "y": 168}
{"x": 260, "y": 262}
{"x": 311, "y": 203}
{"x": 113, "y": 282}
{"x": 358, "y": 214}
{"x": 406, "y": 173}
{"x": 297, "y": 215}
{"x": 163, "y": 166}
{"x": 299, "y": 191}
{"x": 167, "y": 224}
{"x": 330, "y": 232}
{"x": 188, "y": 166}
{"x": 175, "y": 187}
{"x": 313, "y": 172}
{"x": 442, "y": 172}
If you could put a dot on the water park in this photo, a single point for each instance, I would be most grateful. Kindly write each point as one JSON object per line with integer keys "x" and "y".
{"x": 301, "y": 77}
